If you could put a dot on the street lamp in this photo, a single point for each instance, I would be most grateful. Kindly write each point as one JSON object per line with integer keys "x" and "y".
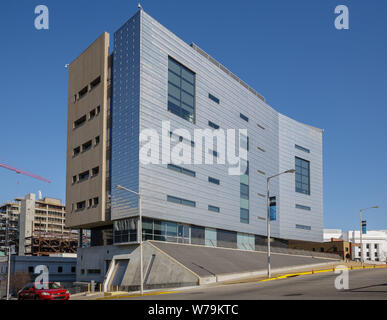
{"x": 268, "y": 217}
{"x": 361, "y": 235}
{"x": 140, "y": 233}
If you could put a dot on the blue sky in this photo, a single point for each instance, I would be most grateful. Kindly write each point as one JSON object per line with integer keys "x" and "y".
{"x": 289, "y": 51}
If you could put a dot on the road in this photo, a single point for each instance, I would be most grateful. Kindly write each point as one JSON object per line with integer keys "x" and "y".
{"x": 363, "y": 284}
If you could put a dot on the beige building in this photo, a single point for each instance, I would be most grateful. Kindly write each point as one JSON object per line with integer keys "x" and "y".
{"x": 88, "y": 149}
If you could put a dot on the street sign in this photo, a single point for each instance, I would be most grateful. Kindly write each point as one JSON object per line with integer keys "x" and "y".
{"x": 273, "y": 209}
{"x": 364, "y": 227}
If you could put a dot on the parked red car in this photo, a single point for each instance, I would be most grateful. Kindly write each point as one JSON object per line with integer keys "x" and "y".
{"x": 50, "y": 291}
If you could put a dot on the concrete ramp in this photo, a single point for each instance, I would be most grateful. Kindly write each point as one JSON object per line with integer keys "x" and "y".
{"x": 169, "y": 265}
{"x": 159, "y": 271}
{"x": 218, "y": 264}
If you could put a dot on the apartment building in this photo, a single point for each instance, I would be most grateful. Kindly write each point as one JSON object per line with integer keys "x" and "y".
{"x": 150, "y": 78}
{"x": 36, "y": 226}
{"x": 9, "y": 225}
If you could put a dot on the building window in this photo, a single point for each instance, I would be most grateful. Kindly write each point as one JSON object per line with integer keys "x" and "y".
{"x": 74, "y": 179}
{"x": 96, "y": 201}
{"x": 244, "y": 191}
{"x": 244, "y": 142}
{"x": 84, "y": 176}
{"x": 300, "y": 226}
{"x": 299, "y": 206}
{"x": 244, "y": 215}
{"x": 165, "y": 231}
{"x": 302, "y": 176}
{"x": 181, "y": 90}
{"x": 86, "y": 146}
{"x": 83, "y": 92}
{"x": 76, "y": 151}
{"x": 73, "y": 269}
{"x": 81, "y": 205}
{"x": 60, "y": 269}
{"x": 302, "y": 148}
{"x": 30, "y": 269}
{"x": 213, "y": 180}
{"x": 213, "y": 208}
{"x": 92, "y": 114}
{"x": 244, "y": 117}
{"x": 213, "y": 98}
{"x": 368, "y": 246}
{"x": 97, "y": 140}
{"x": 93, "y": 271}
{"x": 95, "y": 83}
{"x": 181, "y": 170}
{"x": 95, "y": 171}
{"x": 181, "y": 201}
{"x": 80, "y": 121}
{"x": 213, "y": 125}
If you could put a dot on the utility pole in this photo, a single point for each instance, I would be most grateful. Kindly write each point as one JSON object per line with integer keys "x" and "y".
{"x": 268, "y": 218}
{"x": 139, "y": 233}
{"x": 9, "y": 253}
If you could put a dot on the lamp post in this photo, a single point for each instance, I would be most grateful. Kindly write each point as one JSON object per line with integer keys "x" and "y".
{"x": 140, "y": 233}
{"x": 361, "y": 233}
{"x": 268, "y": 217}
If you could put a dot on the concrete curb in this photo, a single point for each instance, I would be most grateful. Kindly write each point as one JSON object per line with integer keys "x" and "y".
{"x": 254, "y": 274}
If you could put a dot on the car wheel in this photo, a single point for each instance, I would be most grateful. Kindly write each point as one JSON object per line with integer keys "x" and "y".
{"x": 19, "y": 297}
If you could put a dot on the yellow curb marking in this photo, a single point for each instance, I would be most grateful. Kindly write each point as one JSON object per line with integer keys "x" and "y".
{"x": 319, "y": 271}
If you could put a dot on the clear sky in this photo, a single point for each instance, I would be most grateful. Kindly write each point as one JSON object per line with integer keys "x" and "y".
{"x": 289, "y": 51}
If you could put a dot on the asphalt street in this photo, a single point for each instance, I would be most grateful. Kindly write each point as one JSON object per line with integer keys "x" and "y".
{"x": 363, "y": 284}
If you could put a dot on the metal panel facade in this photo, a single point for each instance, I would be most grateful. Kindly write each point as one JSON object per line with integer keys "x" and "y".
{"x": 140, "y": 101}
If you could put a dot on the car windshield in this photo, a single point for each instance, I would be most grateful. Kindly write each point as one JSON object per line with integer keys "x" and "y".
{"x": 50, "y": 285}
{"x": 54, "y": 286}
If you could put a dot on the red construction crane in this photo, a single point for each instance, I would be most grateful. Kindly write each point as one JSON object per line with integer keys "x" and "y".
{"x": 24, "y": 172}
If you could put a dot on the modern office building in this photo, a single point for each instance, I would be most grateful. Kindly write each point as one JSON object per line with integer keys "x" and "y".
{"x": 151, "y": 81}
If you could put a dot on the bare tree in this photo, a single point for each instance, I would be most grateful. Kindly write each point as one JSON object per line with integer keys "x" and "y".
{"x": 19, "y": 280}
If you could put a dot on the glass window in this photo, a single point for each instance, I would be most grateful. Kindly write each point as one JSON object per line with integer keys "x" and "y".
{"x": 300, "y": 226}
{"x": 181, "y": 170}
{"x": 244, "y": 215}
{"x": 302, "y": 148}
{"x": 181, "y": 91}
{"x": 171, "y": 229}
{"x": 244, "y": 141}
{"x": 181, "y": 201}
{"x": 213, "y": 180}
{"x": 213, "y": 208}
{"x": 299, "y": 206}
{"x": 213, "y": 98}
{"x": 302, "y": 176}
{"x": 244, "y": 191}
{"x": 244, "y": 117}
{"x": 213, "y": 125}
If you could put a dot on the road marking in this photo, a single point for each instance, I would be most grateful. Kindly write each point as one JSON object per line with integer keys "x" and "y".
{"x": 319, "y": 271}
{"x": 137, "y": 295}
